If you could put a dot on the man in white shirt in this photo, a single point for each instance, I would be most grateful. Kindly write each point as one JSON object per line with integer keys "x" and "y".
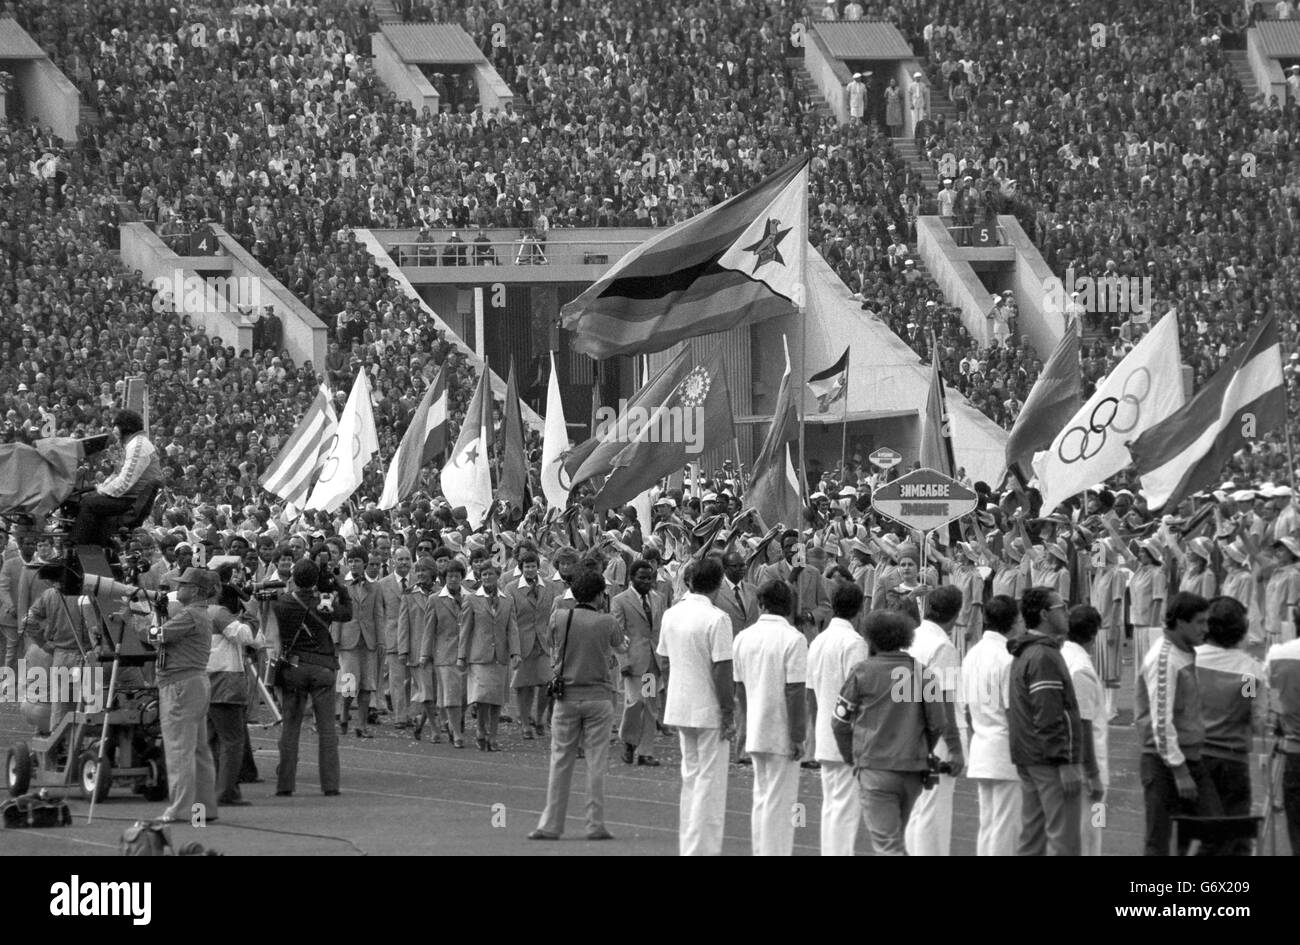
{"x": 141, "y": 472}
{"x": 1085, "y": 621}
{"x": 695, "y": 654}
{"x": 986, "y": 693}
{"x": 929, "y": 830}
{"x": 771, "y": 665}
{"x": 831, "y": 659}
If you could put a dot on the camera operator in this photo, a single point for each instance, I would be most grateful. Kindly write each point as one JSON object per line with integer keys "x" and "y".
{"x": 184, "y": 644}
{"x": 228, "y": 680}
{"x": 141, "y": 472}
{"x": 888, "y": 740}
{"x": 301, "y": 637}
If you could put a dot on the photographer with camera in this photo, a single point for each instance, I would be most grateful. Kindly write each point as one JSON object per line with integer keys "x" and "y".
{"x": 889, "y": 720}
{"x": 585, "y": 640}
{"x": 184, "y": 647}
{"x": 307, "y": 667}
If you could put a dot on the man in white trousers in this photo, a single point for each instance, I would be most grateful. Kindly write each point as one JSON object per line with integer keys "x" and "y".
{"x": 1085, "y": 621}
{"x": 929, "y": 829}
{"x": 695, "y": 656}
{"x": 770, "y": 661}
{"x": 831, "y": 659}
{"x": 986, "y": 693}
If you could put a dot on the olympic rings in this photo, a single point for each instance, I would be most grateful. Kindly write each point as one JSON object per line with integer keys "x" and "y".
{"x": 1081, "y": 443}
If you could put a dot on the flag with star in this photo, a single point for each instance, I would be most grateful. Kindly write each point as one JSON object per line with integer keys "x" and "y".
{"x": 467, "y": 477}
{"x": 737, "y": 263}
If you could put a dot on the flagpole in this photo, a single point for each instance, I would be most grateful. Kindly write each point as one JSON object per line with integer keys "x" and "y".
{"x": 803, "y": 384}
{"x": 844, "y": 436}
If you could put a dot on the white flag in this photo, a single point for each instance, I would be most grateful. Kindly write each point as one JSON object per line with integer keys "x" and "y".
{"x": 467, "y": 477}
{"x": 343, "y": 466}
{"x": 1145, "y": 388}
{"x": 771, "y": 249}
{"x": 555, "y": 441}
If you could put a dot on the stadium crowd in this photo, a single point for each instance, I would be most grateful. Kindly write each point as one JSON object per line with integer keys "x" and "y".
{"x": 1142, "y": 156}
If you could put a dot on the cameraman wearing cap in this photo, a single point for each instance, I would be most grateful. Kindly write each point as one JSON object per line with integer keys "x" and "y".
{"x": 301, "y": 635}
{"x": 184, "y": 644}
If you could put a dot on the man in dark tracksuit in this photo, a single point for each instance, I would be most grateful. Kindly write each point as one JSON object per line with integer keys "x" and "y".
{"x": 1046, "y": 730}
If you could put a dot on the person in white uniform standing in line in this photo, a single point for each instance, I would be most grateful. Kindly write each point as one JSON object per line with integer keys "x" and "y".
{"x": 986, "y": 693}
{"x": 929, "y": 830}
{"x": 695, "y": 655}
{"x": 831, "y": 659}
{"x": 770, "y": 660}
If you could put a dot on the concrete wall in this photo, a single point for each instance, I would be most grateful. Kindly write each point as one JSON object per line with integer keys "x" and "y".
{"x": 50, "y": 96}
{"x": 406, "y": 81}
{"x": 829, "y": 73}
{"x": 958, "y": 281}
{"x": 1268, "y": 73}
{"x": 1040, "y": 318}
{"x": 372, "y": 243}
{"x": 304, "y": 333}
{"x": 493, "y": 92}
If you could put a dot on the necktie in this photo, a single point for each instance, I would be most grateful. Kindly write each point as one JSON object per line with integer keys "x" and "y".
{"x": 645, "y": 604}
{"x": 740, "y": 603}
{"x": 403, "y": 580}
{"x": 533, "y": 592}
{"x": 492, "y": 604}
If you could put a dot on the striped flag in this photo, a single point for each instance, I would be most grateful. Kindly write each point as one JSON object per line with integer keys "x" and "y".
{"x": 512, "y": 488}
{"x": 830, "y": 387}
{"x": 291, "y": 475}
{"x": 1245, "y": 399}
{"x": 739, "y": 262}
{"x": 936, "y": 428}
{"x": 1052, "y": 401}
{"x": 357, "y": 442}
{"x": 424, "y": 441}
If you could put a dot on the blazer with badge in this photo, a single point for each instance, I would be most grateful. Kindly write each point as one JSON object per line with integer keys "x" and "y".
{"x": 363, "y": 630}
{"x": 486, "y": 637}
{"x": 442, "y": 642}
{"x": 725, "y": 600}
{"x": 533, "y": 616}
{"x": 642, "y": 637}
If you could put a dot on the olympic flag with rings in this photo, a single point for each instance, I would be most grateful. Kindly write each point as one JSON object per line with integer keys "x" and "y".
{"x": 1145, "y": 388}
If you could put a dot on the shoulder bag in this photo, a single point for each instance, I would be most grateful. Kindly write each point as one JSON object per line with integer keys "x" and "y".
{"x": 555, "y": 688}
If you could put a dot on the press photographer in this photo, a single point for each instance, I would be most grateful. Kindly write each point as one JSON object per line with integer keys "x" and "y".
{"x": 306, "y": 669}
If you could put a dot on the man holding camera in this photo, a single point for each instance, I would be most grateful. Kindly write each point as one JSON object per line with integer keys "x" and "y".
{"x": 890, "y": 740}
{"x": 308, "y": 671}
{"x": 585, "y": 642}
{"x": 184, "y": 645}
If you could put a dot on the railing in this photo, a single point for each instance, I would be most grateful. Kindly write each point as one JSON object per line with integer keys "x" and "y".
{"x": 526, "y": 251}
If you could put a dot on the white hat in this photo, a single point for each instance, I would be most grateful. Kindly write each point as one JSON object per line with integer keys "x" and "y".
{"x": 1243, "y": 495}
{"x": 916, "y": 75}
{"x": 818, "y": 495}
{"x": 1282, "y": 492}
{"x": 710, "y": 497}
